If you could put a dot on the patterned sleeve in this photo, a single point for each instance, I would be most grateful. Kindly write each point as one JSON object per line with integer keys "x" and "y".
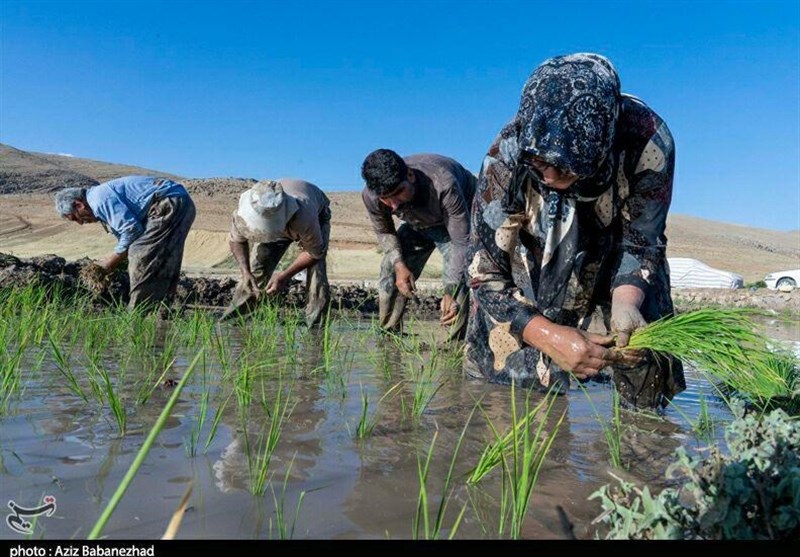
{"x": 497, "y": 217}
{"x": 384, "y": 228}
{"x": 646, "y": 193}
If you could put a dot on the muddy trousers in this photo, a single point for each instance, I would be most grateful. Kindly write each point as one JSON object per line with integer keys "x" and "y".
{"x": 264, "y": 259}
{"x": 416, "y": 247}
{"x": 154, "y": 258}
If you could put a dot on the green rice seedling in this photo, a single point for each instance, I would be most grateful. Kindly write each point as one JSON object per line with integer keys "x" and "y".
{"x": 113, "y": 399}
{"x": 97, "y": 529}
{"x": 10, "y": 370}
{"x": 195, "y": 330}
{"x": 95, "y": 380}
{"x": 422, "y": 515}
{"x": 704, "y": 427}
{"x": 291, "y": 325}
{"x": 15, "y": 338}
{"x": 215, "y": 423}
{"x": 285, "y": 532}
{"x": 521, "y": 467}
{"x": 43, "y": 318}
{"x": 725, "y": 344}
{"x": 426, "y": 382}
{"x": 243, "y": 385}
{"x": 327, "y": 342}
{"x": 96, "y": 338}
{"x": 258, "y": 462}
{"x": 336, "y": 361}
{"x": 492, "y": 455}
{"x": 336, "y": 385}
{"x": 380, "y": 359}
{"x": 366, "y": 423}
{"x": 64, "y": 367}
{"x": 612, "y": 432}
{"x": 223, "y": 352}
{"x": 197, "y": 425}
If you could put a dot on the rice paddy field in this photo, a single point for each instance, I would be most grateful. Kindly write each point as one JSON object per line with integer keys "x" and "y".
{"x": 278, "y": 431}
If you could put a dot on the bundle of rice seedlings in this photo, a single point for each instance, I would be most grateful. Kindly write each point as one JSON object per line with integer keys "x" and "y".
{"x": 725, "y": 343}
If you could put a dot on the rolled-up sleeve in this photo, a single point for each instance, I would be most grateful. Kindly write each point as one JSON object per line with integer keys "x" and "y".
{"x": 493, "y": 239}
{"x": 236, "y": 235}
{"x": 644, "y": 213}
{"x": 456, "y": 218}
{"x": 309, "y": 234}
{"x": 384, "y": 228}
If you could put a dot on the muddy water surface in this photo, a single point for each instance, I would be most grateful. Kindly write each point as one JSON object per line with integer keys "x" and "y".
{"x": 55, "y": 443}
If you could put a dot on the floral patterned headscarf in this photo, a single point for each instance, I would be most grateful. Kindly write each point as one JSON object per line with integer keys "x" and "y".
{"x": 567, "y": 116}
{"x": 568, "y": 113}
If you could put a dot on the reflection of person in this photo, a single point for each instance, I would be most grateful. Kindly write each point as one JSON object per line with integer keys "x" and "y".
{"x": 306, "y": 416}
{"x": 150, "y": 217}
{"x": 272, "y": 215}
{"x": 568, "y": 233}
{"x": 432, "y": 194}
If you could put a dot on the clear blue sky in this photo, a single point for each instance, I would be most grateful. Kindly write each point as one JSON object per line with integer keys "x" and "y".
{"x": 307, "y": 89}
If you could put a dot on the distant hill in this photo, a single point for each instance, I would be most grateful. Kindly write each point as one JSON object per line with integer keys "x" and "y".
{"x": 29, "y": 226}
{"x": 26, "y": 172}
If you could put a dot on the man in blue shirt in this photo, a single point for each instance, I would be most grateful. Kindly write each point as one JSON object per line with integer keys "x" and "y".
{"x": 150, "y": 217}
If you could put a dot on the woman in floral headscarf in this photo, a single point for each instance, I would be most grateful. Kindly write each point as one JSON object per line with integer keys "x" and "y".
{"x": 568, "y": 236}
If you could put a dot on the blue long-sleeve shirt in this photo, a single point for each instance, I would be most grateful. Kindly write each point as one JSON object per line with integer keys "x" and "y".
{"x": 122, "y": 204}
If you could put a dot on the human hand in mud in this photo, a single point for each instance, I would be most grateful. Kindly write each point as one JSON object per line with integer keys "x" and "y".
{"x": 277, "y": 283}
{"x": 111, "y": 262}
{"x": 448, "y": 311}
{"x": 404, "y": 279}
{"x": 250, "y": 284}
{"x": 625, "y": 314}
{"x": 94, "y": 278}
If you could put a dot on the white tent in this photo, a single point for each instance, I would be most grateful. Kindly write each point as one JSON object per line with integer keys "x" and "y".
{"x": 691, "y": 273}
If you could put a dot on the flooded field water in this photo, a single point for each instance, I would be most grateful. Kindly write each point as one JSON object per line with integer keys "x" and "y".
{"x": 322, "y": 480}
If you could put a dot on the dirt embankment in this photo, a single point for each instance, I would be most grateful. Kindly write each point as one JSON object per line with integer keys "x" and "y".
{"x": 217, "y": 292}
{"x": 200, "y": 291}
{"x": 759, "y": 298}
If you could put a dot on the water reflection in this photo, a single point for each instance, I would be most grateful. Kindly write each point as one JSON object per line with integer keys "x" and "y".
{"x": 354, "y": 488}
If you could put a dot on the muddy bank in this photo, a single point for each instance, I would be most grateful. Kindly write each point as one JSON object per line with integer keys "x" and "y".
{"x": 759, "y": 298}
{"x": 206, "y": 291}
{"x": 202, "y": 291}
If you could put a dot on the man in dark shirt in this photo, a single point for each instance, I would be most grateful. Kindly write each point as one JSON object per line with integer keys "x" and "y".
{"x": 432, "y": 195}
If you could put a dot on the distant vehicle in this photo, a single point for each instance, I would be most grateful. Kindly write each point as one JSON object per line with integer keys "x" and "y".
{"x": 685, "y": 272}
{"x": 783, "y": 279}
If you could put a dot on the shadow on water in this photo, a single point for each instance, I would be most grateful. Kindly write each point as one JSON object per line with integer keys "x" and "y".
{"x": 55, "y": 443}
